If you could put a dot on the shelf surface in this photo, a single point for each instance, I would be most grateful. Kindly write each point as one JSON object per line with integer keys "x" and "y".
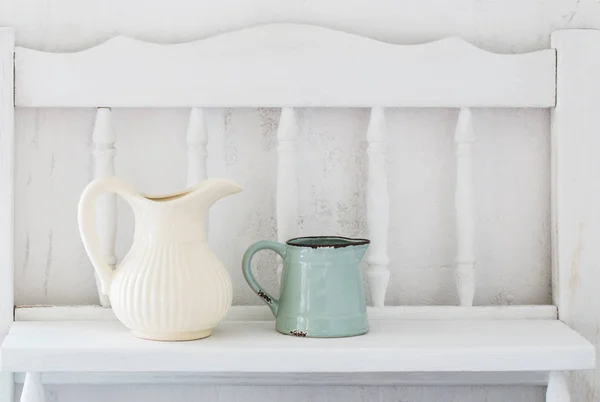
{"x": 255, "y": 346}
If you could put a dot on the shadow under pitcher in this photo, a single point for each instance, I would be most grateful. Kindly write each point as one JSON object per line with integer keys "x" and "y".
{"x": 321, "y": 291}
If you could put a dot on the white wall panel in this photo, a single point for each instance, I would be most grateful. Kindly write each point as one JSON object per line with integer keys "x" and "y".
{"x": 511, "y": 181}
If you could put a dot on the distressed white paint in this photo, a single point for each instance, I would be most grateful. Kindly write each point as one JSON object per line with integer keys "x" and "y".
{"x": 390, "y": 346}
{"x": 576, "y": 191}
{"x": 262, "y": 313}
{"x": 463, "y": 201}
{"x": 284, "y": 65}
{"x": 33, "y": 389}
{"x": 106, "y": 205}
{"x": 331, "y": 190}
{"x": 197, "y": 139}
{"x": 512, "y": 242}
{"x": 7, "y": 43}
{"x": 558, "y": 388}
{"x": 506, "y": 26}
{"x": 287, "y": 179}
{"x": 378, "y": 208}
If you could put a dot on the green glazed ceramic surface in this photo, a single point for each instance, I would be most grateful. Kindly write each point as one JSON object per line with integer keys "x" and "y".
{"x": 321, "y": 293}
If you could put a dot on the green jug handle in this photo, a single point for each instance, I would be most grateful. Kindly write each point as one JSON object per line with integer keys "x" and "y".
{"x": 279, "y": 248}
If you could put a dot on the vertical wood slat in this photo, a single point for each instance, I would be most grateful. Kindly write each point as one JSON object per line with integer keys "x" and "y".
{"x": 106, "y": 206}
{"x": 378, "y": 208}
{"x": 465, "y": 222}
{"x": 197, "y": 140}
{"x": 287, "y": 178}
{"x": 7, "y": 148}
{"x": 558, "y": 388}
{"x": 575, "y": 193}
{"x": 33, "y": 389}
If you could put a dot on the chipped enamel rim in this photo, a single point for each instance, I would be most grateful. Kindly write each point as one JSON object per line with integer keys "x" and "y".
{"x": 326, "y": 242}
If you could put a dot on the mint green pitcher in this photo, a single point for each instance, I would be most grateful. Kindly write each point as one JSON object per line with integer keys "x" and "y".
{"x": 321, "y": 291}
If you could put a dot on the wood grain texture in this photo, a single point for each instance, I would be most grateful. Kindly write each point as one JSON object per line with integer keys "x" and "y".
{"x": 7, "y": 149}
{"x": 576, "y": 191}
{"x": 290, "y": 65}
{"x": 390, "y": 346}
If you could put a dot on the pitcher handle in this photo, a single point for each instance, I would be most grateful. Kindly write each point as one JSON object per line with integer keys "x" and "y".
{"x": 87, "y": 224}
{"x": 247, "y": 270}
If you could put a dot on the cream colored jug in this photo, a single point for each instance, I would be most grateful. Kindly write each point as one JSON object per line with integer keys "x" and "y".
{"x": 170, "y": 286}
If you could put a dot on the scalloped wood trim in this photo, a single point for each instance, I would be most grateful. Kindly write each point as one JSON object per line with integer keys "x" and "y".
{"x": 284, "y": 65}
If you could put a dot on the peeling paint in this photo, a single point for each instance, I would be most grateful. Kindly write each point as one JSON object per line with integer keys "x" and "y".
{"x": 52, "y": 164}
{"x": 574, "y": 279}
{"x": 26, "y": 252}
{"x": 569, "y": 17}
{"x": 422, "y": 237}
{"x": 269, "y": 121}
{"x": 49, "y": 257}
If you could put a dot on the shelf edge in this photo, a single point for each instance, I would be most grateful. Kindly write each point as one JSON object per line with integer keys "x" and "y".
{"x": 372, "y": 379}
{"x": 262, "y": 313}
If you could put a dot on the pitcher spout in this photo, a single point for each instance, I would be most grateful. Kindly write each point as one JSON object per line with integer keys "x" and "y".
{"x": 211, "y": 190}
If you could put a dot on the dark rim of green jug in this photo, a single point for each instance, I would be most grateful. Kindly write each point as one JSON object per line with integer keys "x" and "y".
{"x": 344, "y": 242}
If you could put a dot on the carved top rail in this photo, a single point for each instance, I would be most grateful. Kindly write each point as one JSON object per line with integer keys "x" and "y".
{"x": 283, "y": 65}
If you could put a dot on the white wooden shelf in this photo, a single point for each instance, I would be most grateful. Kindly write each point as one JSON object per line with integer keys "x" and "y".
{"x": 255, "y": 347}
{"x": 290, "y": 66}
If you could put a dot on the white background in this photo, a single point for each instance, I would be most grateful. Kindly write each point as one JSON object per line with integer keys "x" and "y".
{"x": 511, "y": 168}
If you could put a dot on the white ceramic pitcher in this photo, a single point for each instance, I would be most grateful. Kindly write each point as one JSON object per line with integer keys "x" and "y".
{"x": 170, "y": 286}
